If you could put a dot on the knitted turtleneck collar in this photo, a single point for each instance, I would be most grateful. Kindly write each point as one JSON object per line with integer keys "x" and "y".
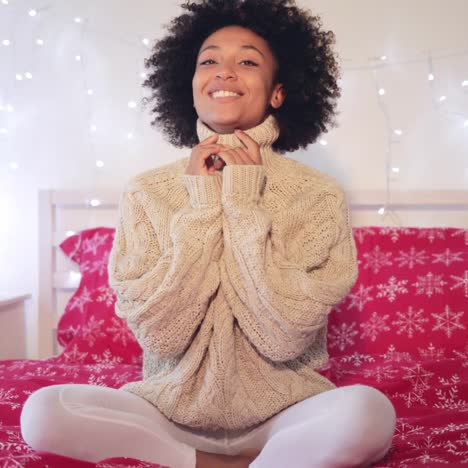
{"x": 265, "y": 134}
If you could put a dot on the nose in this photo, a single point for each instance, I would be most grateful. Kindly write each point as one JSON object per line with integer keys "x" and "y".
{"x": 225, "y": 71}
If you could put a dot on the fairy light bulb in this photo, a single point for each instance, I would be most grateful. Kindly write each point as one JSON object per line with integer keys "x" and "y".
{"x": 78, "y": 19}
{"x": 93, "y": 128}
{"x": 132, "y": 104}
{"x": 14, "y": 165}
{"x": 430, "y": 77}
{"x": 90, "y": 92}
{"x": 130, "y": 135}
{"x": 442, "y": 98}
{"x": 39, "y": 42}
{"x": 381, "y": 91}
{"x": 95, "y": 202}
{"x": 398, "y": 131}
{"x": 99, "y": 163}
{"x": 6, "y": 42}
{"x": 77, "y": 58}
{"x": 32, "y": 12}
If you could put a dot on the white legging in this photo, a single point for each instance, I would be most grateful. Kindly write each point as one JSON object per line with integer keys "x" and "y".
{"x": 350, "y": 426}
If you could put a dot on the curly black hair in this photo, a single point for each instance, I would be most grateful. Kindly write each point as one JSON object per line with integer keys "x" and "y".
{"x": 307, "y": 68}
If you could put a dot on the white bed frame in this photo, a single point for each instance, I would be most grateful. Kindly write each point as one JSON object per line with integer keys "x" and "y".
{"x": 61, "y": 211}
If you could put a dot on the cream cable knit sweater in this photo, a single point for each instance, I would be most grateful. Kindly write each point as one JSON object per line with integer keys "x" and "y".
{"x": 227, "y": 281}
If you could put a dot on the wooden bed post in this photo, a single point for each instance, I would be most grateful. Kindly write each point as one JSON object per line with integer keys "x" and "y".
{"x": 46, "y": 307}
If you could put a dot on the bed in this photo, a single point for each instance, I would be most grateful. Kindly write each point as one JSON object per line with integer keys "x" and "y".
{"x": 402, "y": 329}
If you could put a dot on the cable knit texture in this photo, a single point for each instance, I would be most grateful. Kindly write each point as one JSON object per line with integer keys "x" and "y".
{"x": 226, "y": 280}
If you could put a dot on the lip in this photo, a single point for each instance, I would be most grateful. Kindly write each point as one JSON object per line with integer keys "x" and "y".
{"x": 226, "y": 99}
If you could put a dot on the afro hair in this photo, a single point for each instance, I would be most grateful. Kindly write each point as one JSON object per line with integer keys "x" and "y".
{"x": 308, "y": 68}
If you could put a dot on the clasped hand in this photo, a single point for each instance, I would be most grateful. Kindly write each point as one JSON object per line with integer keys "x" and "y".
{"x": 201, "y": 162}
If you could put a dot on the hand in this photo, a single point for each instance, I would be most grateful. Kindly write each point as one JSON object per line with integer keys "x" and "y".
{"x": 250, "y": 155}
{"x": 201, "y": 162}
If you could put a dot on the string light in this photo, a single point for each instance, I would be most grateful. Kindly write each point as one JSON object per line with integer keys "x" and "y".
{"x": 383, "y": 62}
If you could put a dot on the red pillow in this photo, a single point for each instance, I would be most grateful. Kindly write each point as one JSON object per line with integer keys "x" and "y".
{"x": 89, "y": 330}
{"x": 410, "y": 297}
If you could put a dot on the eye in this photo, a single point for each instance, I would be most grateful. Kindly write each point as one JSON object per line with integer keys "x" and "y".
{"x": 254, "y": 64}
{"x": 211, "y": 60}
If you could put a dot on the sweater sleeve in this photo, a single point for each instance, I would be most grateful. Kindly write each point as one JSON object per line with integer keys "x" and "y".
{"x": 282, "y": 277}
{"x": 163, "y": 294}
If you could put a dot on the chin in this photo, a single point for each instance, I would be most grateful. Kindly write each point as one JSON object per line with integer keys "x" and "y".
{"x": 227, "y": 127}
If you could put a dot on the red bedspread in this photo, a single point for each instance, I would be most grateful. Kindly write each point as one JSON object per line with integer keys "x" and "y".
{"x": 402, "y": 329}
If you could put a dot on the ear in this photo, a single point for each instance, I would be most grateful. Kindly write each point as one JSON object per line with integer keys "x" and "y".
{"x": 278, "y": 96}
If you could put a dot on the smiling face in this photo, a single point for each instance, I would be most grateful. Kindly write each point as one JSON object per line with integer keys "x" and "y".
{"x": 238, "y": 60}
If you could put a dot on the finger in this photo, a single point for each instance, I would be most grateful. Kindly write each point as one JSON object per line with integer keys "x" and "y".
{"x": 218, "y": 164}
{"x": 237, "y": 156}
{"x": 206, "y": 148}
{"x": 227, "y": 156}
{"x": 207, "y": 151}
{"x": 245, "y": 156}
{"x": 247, "y": 140}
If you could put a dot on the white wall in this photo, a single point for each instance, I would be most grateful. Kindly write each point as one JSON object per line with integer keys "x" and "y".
{"x": 49, "y": 136}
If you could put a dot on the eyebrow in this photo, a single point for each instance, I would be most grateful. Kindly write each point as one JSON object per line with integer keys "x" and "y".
{"x": 247, "y": 46}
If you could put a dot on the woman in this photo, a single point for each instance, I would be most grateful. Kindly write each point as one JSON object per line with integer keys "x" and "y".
{"x": 226, "y": 270}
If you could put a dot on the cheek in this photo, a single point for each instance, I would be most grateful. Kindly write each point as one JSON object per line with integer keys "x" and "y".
{"x": 258, "y": 87}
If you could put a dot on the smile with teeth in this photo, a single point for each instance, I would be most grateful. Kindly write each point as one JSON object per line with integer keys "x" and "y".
{"x": 224, "y": 94}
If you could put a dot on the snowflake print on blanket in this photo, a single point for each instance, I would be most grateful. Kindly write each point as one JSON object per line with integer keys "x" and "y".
{"x": 402, "y": 329}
